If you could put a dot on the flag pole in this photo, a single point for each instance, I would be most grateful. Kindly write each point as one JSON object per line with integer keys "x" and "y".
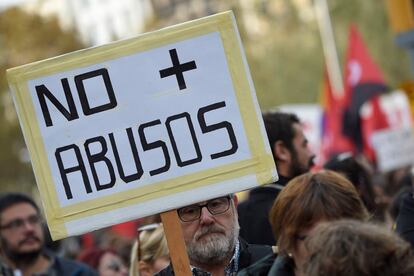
{"x": 329, "y": 47}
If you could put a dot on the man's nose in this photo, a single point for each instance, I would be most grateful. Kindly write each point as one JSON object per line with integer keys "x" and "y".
{"x": 206, "y": 217}
{"x": 28, "y": 226}
{"x": 311, "y": 155}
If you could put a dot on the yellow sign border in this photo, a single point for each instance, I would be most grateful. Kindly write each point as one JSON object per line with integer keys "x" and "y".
{"x": 261, "y": 164}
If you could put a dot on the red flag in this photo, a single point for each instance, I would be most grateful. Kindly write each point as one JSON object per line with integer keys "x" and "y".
{"x": 333, "y": 140}
{"x": 360, "y": 67}
{"x": 363, "y": 80}
{"x": 372, "y": 119}
{"x": 87, "y": 241}
{"x": 126, "y": 229}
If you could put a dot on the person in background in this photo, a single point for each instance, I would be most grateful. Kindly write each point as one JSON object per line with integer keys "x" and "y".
{"x": 405, "y": 219}
{"x": 292, "y": 157}
{"x": 105, "y": 261}
{"x": 395, "y": 205}
{"x": 149, "y": 253}
{"x": 211, "y": 234}
{"x": 354, "y": 170}
{"x": 306, "y": 201}
{"x": 22, "y": 241}
{"x": 348, "y": 247}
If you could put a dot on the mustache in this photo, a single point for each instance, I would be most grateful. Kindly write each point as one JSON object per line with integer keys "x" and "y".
{"x": 207, "y": 230}
{"x": 28, "y": 238}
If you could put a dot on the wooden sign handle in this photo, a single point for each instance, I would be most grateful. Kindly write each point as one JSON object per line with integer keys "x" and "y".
{"x": 176, "y": 245}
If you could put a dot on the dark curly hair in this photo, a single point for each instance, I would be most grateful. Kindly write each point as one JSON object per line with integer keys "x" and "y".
{"x": 9, "y": 199}
{"x": 354, "y": 170}
{"x": 279, "y": 127}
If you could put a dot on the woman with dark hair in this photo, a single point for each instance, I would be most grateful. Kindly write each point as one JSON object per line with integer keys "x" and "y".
{"x": 354, "y": 170}
{"x": 306, "y": 201}
{"x": 106, "y": 261}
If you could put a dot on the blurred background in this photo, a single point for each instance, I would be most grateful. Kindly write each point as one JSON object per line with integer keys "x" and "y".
{"x": 293, "y": 47}
{"x": 281, "y": 38}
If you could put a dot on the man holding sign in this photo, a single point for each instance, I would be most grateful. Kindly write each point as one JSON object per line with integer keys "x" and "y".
{"x": 211, "y": 233}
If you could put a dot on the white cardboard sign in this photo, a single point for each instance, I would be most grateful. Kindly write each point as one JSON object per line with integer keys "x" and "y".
{"x": 142, "y": 126}
{"x": 394, "y": 148}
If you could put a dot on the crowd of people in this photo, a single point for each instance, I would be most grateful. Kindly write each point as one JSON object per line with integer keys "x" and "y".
{"x": 342, "y": 219}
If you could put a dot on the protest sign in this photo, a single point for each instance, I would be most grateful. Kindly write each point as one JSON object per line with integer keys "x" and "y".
{"x": 387, "y": 119}
{"x": 142, "y": 126}
{"x": 394, "y": 148}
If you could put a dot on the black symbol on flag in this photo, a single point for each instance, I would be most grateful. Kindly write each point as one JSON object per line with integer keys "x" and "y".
{"x": 177, "y": 69}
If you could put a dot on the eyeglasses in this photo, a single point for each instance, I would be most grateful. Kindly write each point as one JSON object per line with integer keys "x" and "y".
{"x": 148, "y": 227}
{"x": 18, "y": 224}
{"x": 215, "y": 207}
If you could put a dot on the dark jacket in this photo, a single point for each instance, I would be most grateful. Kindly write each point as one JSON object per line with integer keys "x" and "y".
{"x": 405, "y": 219}
{"x": 270, "y": 265}
{"x": 58, "y": 267}
{"x": 249, "y": 254}
{"x": 253, "y": 213}
{"x": 67, "y": 267}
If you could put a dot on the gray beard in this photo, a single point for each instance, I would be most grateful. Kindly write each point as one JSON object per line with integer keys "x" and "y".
{"x": 215, "y": 248}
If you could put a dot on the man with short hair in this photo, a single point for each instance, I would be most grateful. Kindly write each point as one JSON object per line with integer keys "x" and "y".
{"x": 22, "y": 241}
{"x": 292, "y": 157}
{"x": 211, "y": 234}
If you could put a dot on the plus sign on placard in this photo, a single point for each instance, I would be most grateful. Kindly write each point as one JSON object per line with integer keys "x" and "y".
{"x": 177, "y": 69}
{"x": 142, "y": 126}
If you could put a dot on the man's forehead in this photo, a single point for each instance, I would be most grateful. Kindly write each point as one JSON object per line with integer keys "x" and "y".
{"x": 20, "y": 209}
{"x": 298, "y": 127}
{"x": 205, "y": 201}
{"x": 298, "y": 130}
{"x": 201, "y": 202}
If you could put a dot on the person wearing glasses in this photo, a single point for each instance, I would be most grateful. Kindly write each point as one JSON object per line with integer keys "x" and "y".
{"x": 22, "y": 241}
{"x": 149, "y": 253}
{"x": 211, "y": 234}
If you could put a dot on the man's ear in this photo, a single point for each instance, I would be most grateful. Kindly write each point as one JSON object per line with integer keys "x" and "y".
{"x": 281, "y": 152}
{"x": 145, "y": 269}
